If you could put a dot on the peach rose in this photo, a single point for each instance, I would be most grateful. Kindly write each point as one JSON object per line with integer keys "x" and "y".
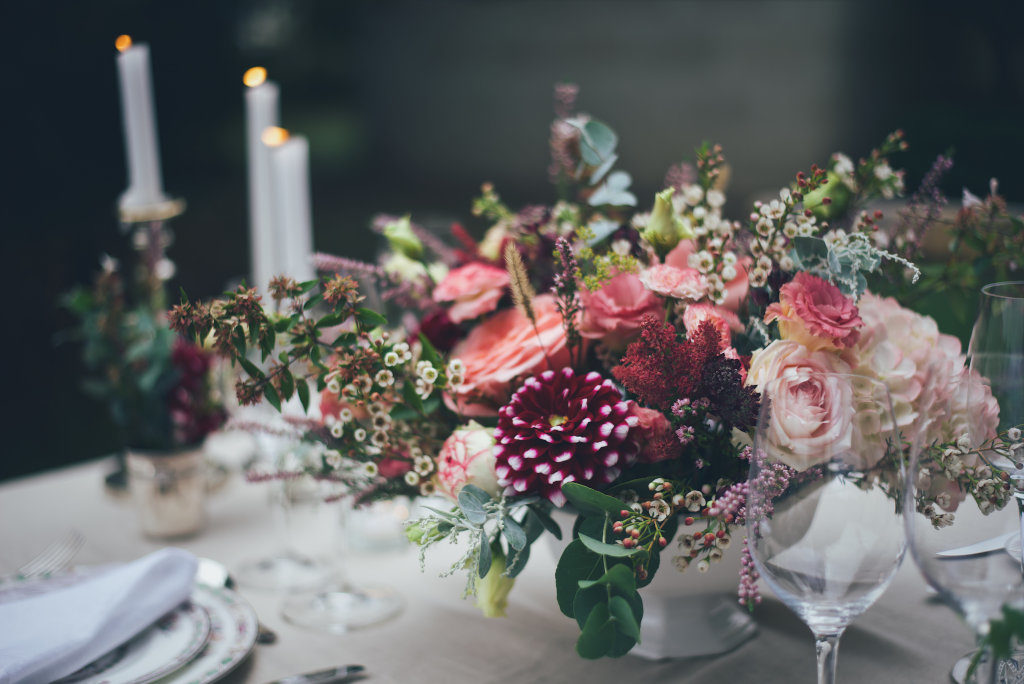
{"x": 735, "y": 289}
{"x": 816, "y": 313}
{"x": 680, "y": 283}
{"x": 474, "y": 288}
{"x": 503, "y": 348}
{"x": 812, "y": 407}
{"x": 467, "y": 457}
{"x": 725, "y": 321}
{"x": 613, "y": 313}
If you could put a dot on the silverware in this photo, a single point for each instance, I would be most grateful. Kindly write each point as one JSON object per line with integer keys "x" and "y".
{"x": 332, "y": 675}
{"x": 54, "y": 558}
{"x": 982, "y": 547}
{"x": 215, "y": 574}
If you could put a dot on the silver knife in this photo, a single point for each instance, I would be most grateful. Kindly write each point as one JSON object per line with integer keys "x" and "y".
{"x": 331, "y": 675}
{"x": 986, "y": 546}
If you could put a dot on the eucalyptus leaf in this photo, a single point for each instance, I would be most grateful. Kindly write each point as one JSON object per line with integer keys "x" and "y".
{"x": 614, "y": 192}
{"x": 598, "y": 634}
{"x": 585, "y": 601}
{"x": 619, "y": 576}
{"x": 514, "y": 533}
{"x": 546, "y": 520}
{"x": 576, "y": 563}
{"x": 623, "y": 615}
{"x": 587, "y": 500}
{"x": 517, "y": 561}
{"x": 472, "y": 508}
{"x": 302, "y": 387}
{"x": 605, "y": 549}
{"x": 485, "y": 559}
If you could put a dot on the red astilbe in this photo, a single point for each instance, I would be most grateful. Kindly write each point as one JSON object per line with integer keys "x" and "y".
{"x": 659, "y": 367}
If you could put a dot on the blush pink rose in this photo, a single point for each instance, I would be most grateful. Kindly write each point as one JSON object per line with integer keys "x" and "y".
{"x": 613, "y": 313}
{"x": 467, "y": 457}
{"x": 812, "y": 407}
{"x": 679, "y": 283}
{"x": 735, "y": 290}
{"x": 816, "y": 313}
{"x": 474, "y": 288}
{"x": 503, "y": 348}
{"x": 725, "y": 321}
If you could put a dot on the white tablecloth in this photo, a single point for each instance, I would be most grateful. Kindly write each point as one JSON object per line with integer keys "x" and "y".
{"x": 905, "y": 637}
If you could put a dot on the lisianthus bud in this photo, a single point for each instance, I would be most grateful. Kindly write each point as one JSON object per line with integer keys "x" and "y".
{"x": 467, "y": 457}
{"x": 403, "y": 268}
{"x": 836, "y": 192}
{"x": 664, "y": 229}
{"x": 402, "y": 238}
{"x": 493, "y": 590}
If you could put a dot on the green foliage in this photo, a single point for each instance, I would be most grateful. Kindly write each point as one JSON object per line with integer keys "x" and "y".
{"x": 1004, "y": 634}
{"x": 843, "y": 262}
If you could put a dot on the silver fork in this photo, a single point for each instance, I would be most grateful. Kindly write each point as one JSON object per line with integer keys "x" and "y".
{"x": 54, "y": 558}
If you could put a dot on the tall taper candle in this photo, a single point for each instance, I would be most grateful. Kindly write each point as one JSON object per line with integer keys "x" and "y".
{"x": 145, "y": 184}
{"x": 293, "y": 220}
{"x": 261, "y": 112}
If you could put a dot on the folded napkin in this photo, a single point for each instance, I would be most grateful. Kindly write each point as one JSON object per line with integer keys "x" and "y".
{"x": 50, "y": 635}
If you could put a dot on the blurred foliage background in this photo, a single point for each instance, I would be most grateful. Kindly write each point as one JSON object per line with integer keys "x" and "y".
{"x": 409, "y": 106}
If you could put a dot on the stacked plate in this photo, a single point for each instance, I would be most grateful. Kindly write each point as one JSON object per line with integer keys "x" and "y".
{"x": 199, "y": 642}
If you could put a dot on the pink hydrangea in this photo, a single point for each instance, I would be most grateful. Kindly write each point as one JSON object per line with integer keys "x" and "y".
{"x": 815, "y": 313}
{"x": 474, "y": 289}
{"x": 679, "y": 283}
{"x": 613, "y": 313}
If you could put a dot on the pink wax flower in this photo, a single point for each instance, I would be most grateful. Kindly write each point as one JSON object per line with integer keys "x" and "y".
{"x": 735, "y": 289}
{"x": 679, "y": 283}
{"x": 613, "y": 313}
{"x": 815, "y": 313}
{"x": 725, "y": 321}
{"x": 503, "y": 348}
{"x": 474, "y": 288}
{"x": 467, "y": 457}
{"x": 812, "y": 408}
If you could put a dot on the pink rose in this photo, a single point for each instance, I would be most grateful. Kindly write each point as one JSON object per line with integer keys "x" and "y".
{"x": 475, "y": 288}
{"x": 816, "y": 313}
{"x": 503, "y": 348}
{"x": 812, "y": 407}
{"x": 725, "y": 321}
{"x": 735, "y": 289}
{"x": 467, "y": 457}
{"x": 655, "y": 437}
{"x": 680, "y": 283}
{"x": 613, "y": 313}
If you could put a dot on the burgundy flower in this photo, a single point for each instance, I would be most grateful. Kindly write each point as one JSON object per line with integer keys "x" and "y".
{"x": 559, "y": 428}
{"x": 442, "y": 332}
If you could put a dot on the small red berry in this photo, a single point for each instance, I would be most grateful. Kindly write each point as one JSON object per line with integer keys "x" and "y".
{"x": 720, "y": 534}
{"x": 688, "y": 520}
{"x": 624, "y": 513}
{"x": 662, "y": 542}
{"x": 635, "y": 534}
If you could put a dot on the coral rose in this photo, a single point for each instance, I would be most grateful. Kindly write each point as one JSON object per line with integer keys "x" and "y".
{"x": 467, "y": 457}
{"x": 474, "y": 288}
{"x": 735, "y": 290}
{"x": 680, "y": 283}
{"x": 613, "y": 313}
{"x": 815, "y": 313}
{"x": 503, "y": 348}
{"x": 656, "y": 439}
{"x": 812, "y": 407}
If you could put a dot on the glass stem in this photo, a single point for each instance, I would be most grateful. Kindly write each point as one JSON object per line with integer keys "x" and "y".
{"x": 1020, "y": 507}
{"x": 827, "y": 647}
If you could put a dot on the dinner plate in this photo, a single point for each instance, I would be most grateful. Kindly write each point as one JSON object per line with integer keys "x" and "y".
{"x": 233, "y": 630}
{"x": 167, "y": 645}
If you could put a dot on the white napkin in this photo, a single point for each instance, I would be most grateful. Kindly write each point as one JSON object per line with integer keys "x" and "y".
{"x": 48, "y": 636}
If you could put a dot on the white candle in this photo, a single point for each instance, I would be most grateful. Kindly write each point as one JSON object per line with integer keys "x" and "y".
{"x": 261, "y": 112}
{"x": 145, "y": 184}
{"x": 293, "y": 220}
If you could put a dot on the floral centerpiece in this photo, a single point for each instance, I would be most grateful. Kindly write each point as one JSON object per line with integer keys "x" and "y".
{"x": 589, "y": 357}
{"x": 156, "y": 384}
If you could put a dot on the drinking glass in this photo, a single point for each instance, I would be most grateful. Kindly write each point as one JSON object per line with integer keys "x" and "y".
{"x": 996, "y": 361}
{"x": 824, "y": 501}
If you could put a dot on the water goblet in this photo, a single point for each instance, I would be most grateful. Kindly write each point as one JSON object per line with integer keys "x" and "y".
{"x": 824, "y": 499}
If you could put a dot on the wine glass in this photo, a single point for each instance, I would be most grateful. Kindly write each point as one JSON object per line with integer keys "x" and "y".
{"x": 960, "y": 520}
{"x": 824, "y": 499}
{"x": 996, "y": 363}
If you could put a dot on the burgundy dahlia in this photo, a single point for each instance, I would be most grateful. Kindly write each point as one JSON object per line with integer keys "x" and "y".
{"x": 559, "y": 428}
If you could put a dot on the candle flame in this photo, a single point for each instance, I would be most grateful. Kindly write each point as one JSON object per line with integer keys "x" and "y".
{"x": 254, "y": 76}
{"x": 274, "y": 136}
{"x": 123, "y": 42}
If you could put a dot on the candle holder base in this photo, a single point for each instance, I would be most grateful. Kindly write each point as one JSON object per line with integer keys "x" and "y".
{"x": 159, "y": 211}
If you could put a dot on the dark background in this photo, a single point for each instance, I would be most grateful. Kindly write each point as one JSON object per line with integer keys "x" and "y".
{"x": 409, "y": 106}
